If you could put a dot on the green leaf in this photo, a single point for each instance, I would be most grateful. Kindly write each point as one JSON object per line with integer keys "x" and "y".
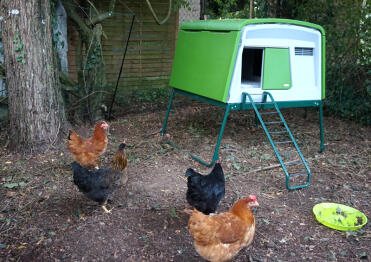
{"x": 173, "y": 212}
{"x": 19, "y": 47}
{"x": 266, "y": 157}
{"x": 362, "y": 255}
{"x": 11, "y": 185}
{"x": 236, "y": 166}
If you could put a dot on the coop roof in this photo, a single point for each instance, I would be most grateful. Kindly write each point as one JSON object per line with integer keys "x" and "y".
{"x": 238, "y": 24}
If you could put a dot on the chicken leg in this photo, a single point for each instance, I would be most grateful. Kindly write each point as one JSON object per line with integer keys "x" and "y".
{"x": 106, "y": 210}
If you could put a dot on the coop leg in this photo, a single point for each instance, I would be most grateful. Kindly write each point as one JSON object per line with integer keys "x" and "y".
{"x": 168, "y": 111}
{"x": 322, "y": 146}
{"x": 216, "y": 151}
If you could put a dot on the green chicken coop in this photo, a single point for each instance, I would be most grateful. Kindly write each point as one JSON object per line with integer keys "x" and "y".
{"x": 254, "y": 64}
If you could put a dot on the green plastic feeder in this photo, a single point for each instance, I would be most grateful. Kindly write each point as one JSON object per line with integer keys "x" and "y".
{"x": 339, "y": 217}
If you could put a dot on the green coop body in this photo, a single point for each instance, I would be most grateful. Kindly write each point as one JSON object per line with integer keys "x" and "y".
{"x": 221, "y": 59}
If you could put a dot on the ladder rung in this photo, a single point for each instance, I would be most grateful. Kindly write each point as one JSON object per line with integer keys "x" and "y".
{"x": 284, "y": 142}
{"x": 298, "y": 174}
{"x": 289, "y": 152}
{"x": 293, "y": 163}
{"x": 269, "y": 113}
{"x": 264, "y": 103}
{"x": 277, "y": 132}
{"x": 273, "y": 123}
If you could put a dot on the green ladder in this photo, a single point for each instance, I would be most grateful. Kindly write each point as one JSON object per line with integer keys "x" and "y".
{"x": 275, "y": 130}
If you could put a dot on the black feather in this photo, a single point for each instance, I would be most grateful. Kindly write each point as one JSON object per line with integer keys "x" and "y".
{"x": 97, "y": 184}
{"x": 205, "y": 191}
{"x": 69, "y": 134}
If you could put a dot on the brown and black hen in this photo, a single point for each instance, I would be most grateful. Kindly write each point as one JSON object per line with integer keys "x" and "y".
{"x": 100, "y": 184}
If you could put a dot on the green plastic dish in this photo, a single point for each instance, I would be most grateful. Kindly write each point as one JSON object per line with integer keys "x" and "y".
{"x": 338, "y": 216}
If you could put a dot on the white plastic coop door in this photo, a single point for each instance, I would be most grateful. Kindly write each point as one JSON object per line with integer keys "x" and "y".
{"x": 303, "y": 46}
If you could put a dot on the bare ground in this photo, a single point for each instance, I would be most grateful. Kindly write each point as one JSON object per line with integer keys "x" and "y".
{"x": 43, "y": 217}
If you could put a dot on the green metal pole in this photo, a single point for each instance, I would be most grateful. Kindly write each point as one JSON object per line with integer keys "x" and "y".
{"x": 216, "y": 151}
{"x": 256, "y": 120}
{"x": 322, "y": 146}
{"x": 168, "y": 111}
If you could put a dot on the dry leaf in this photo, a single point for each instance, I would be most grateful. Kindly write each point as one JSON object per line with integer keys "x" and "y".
{"x": 40, "y": 241}
{"x": 10, "y": 193}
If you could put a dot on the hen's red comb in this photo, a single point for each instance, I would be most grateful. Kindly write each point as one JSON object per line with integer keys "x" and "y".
{"x": 252, "y": 197}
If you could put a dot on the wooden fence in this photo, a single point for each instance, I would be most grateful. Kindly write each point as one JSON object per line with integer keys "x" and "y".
{"x": 151, "y": 49}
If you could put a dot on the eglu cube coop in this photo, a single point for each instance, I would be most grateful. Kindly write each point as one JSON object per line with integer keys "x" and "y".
{"x": 258, "y": 64}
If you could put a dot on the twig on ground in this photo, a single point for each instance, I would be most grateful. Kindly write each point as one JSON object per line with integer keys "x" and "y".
{"x": 152, "y": 133}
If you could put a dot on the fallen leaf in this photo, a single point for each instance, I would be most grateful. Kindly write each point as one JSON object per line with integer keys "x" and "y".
{"x": 40, "y": 241}
{"x": 173, "y": 212}
{"x": 10, "y": 193}
{"x": 8, "y": 162}
{"x": 11, "y": 185}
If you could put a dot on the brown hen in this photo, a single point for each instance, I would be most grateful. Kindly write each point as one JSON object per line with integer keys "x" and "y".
{"x": 86, "y": 151}
{"x": 120, "y": 162}
{"x": 220, "y": 237}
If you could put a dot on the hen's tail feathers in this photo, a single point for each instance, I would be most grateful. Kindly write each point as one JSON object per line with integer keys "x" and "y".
{"x": 190, "y": 172}
{"x": 218, "y": 168}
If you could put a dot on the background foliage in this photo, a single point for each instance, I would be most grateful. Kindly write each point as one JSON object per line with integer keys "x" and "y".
{"x": 347, "y": 25}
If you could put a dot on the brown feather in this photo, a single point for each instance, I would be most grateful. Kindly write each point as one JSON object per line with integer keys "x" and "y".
{"x": 87, "y": 151}
{"x": 220, "y": 237}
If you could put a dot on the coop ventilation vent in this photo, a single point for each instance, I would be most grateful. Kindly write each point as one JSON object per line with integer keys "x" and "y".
{"x": 304, "y": 51}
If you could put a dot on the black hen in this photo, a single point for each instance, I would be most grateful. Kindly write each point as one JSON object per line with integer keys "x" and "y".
{"x": 205, "y": 191}
{"x": 99, "y": 184}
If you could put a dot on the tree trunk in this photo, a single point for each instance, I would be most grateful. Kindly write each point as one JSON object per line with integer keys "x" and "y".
{"x": 251, "y": 9}
{"x": 92, "y": 80}
{"x": 35, "y": 106}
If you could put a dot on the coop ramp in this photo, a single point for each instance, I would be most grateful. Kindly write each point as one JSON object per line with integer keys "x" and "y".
{"x": 281, "y": 139}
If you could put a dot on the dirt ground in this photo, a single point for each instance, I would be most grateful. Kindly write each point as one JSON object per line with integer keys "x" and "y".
{"x": 43, "y": 216}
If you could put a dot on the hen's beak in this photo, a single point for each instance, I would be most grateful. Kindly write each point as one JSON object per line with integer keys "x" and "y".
{"x": 254, "y": 204}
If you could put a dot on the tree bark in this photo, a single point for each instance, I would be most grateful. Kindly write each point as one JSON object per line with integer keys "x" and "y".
{"x": 251, "y": 9}
{"x": 91, "y": 75}
{"x": 35, "y": 106}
